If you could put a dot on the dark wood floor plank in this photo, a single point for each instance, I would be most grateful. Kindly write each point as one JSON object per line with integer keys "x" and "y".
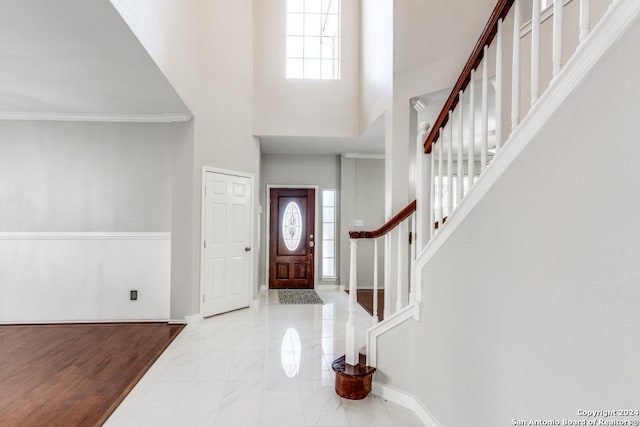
{"x": 73, "y": 375}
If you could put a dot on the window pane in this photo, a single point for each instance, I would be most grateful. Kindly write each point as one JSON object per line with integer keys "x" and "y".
{"x": 312, "y": 25}
{"x": 327, "y": 69}
{"x": 328, "y": 213}
{"x": 313, "y": 6}
{"x": 295, "y": 24}
{"x": 295, "y": 47}
{"x": 328, "y": 249}
{"x": 328, "y": 231}
{"x": 312, "y": 47}
{"x": 330, "y": 6}
{"x": 311, "y": 68}
{"x": 328, "y": 267}
{"x": 294, "y": 68}
{"x": 330, "y": 25}
{"x": 328, "y": 198}
{"x": 327, "y": 47}
{"x": 295, "y": 6}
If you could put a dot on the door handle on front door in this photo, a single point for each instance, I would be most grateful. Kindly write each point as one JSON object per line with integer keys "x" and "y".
{"x": 247, "y": 249}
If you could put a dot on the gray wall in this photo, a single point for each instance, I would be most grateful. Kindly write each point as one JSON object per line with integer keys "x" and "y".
{"x": 362, "y": 198}
{"x": 69, "y": 176}
{"x": 303, "y": 170}
{"x": 543, "y": 319}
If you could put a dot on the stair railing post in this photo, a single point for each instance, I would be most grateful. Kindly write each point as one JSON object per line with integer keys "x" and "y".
{"x": 423, "y": 188}
{"x": 375, "y": 282}
{"x": 387, "y": 275}
{"x": 401, "y": 267}
{"x": 351, "y": 352}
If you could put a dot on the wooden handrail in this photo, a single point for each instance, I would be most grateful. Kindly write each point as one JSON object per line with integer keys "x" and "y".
{"x": 488, "y": 34}
{"x": 388, "y": 226}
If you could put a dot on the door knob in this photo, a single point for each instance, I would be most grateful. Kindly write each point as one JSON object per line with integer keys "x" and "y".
{"x": 247, "y": 249}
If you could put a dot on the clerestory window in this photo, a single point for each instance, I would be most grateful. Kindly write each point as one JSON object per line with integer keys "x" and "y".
{"x": 313, "y": 39}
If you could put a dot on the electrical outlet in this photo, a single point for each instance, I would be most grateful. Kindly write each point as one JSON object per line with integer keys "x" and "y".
{"x": 133, "y": 295}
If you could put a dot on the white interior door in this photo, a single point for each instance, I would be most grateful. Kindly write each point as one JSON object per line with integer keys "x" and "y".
{"x": 226, "y": 281}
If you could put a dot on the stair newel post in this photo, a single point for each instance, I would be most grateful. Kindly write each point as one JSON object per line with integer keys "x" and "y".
{"x": 375, "y": 281}
{"x": 351, "y": 352}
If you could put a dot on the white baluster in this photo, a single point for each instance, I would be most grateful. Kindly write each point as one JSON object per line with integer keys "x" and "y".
{"x": 401, "y": 266}
{"x": 414, "y": 254}
{"x": 472, "y": 128}
{"x": 515, "y": 81}
{"x": 387, "y": 275}
{"x": 535, "y": 52}
{"x": 423, "y": 188}
{"x": 460, "y": 173}
{"x": 351, "y": 352}
{"x": 558, "y": 9}
{"x": 484, "y": 125}
{"x": 585, "y": 18}
{"x": 450, "y": 166}
{"x": 375, "y": 281}
{"x": 440, "y": 201}
{"x": 498, "y": 112}
{"x": 432, "y": 214}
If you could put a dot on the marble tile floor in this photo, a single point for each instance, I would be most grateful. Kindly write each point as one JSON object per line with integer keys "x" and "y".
{"x": 264, "y": 366}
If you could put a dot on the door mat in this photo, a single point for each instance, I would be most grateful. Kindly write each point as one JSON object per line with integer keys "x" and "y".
{"x": 298, "y": 296}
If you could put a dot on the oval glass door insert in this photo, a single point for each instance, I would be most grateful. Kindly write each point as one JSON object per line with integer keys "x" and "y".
{"x": 292, "y": 226}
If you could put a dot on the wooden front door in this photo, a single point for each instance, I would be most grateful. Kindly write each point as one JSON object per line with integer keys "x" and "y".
{"x": 291, "y": 238}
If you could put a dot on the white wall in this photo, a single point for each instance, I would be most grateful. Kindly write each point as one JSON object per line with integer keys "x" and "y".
{"x": 85, "y": 217}
{"x": 303, "y": 170}
{"x": 362, "y": 199}
{"x": 66, "y": 176}
{"x": 302, "y": 107}
{"x": 542, "y": 320}
{"x": 376, "y": 59}
{"x": 190, "y": 41}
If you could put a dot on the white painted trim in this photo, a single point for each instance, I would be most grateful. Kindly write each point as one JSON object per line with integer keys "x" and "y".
{"x": 267, "y": 228}
{"x": 78, "y": 235}
{"x": 89, "y": 117}
{"x": 194, "y": 318}
{"x": 360, "y": 156}
{"x": 406, "y": 400}
{"x": 386, "y": 325}
{"x": 251, "y": 177}
{"x": 616, "y": 20}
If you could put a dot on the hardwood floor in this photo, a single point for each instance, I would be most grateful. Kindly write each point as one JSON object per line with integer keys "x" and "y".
{"x": 73, "y": 375}
{"x": 365, "y": 299}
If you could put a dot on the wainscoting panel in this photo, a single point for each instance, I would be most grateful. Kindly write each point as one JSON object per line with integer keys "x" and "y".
{"x": 75, "y": 277}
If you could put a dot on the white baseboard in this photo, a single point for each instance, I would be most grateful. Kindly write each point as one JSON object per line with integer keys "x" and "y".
{"x": 194, "y": 318}
{"x": 406, "y": 400}
{"x": 342, "y": 288}
{"x": 264, "y": 288}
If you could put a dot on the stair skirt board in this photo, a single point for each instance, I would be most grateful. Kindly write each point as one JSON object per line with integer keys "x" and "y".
{"x": 406, "y": 400}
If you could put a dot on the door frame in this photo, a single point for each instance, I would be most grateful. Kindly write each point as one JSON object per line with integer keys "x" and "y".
{"x": 251, "y": 177}
{"x": 267, "y": 230}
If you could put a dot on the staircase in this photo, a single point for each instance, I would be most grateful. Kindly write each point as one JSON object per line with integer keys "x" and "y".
{"x": 468, "y": 148}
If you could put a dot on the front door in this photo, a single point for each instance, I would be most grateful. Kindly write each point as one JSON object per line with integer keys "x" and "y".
{"x": 291, "y": 238}
{"x": 226, "y": 281}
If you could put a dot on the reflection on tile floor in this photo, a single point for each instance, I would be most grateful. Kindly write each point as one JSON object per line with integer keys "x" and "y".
{"x": 266, "y": 366}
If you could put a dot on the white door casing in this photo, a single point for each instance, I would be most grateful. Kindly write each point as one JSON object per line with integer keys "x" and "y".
{"x": 227, "y": 252}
